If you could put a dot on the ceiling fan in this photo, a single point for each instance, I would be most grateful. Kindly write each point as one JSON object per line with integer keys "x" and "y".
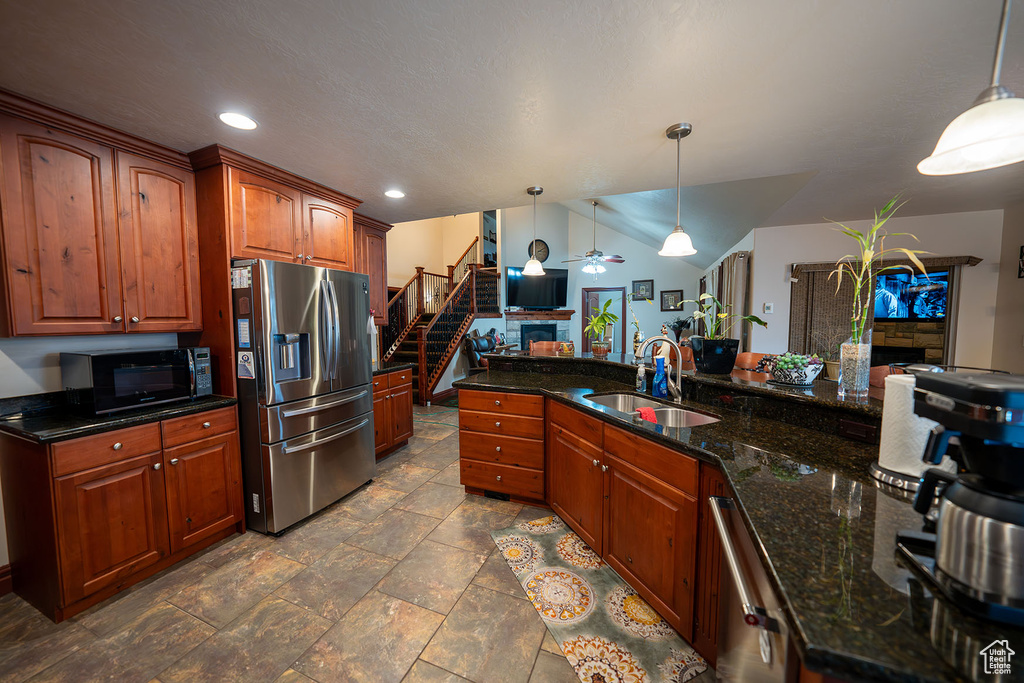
{"x": 595, "y": 258}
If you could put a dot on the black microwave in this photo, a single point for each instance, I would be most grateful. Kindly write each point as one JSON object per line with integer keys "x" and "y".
{"x": 102, "y": 382}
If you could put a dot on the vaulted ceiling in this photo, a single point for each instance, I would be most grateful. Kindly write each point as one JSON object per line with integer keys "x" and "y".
{"x": 465, "y": 104}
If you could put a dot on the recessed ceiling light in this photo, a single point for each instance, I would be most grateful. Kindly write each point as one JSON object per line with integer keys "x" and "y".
{"x": 394, "y": 194}
{"x": 237, "y": 120}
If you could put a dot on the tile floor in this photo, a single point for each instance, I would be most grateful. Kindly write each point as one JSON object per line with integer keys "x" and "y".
{"x": 400, "y": 581}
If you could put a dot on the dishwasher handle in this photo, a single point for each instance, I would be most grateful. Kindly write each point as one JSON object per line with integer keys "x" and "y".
{"x": 753, "y": 615}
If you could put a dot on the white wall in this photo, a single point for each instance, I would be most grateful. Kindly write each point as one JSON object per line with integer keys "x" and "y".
{"x": 1008, "y": 340}
{"x": 976, "y": 233}
{"x": 416, "y": 243}
{"x": 456, "y": 234}
{"x": 517, "y": 233}
{"x": 745, "y": 244}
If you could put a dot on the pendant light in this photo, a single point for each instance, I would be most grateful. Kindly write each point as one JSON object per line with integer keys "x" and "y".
{"x": 533, "y": 266}
{"x": 989, "y": 134}
{"x": 678, "y": 243}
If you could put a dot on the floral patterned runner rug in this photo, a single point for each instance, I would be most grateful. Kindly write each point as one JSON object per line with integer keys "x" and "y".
{"x": 608, "y": 632}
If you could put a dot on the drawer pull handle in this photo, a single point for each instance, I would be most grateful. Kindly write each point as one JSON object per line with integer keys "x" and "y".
{"x": 497, "y": 403}
{"x": 596, "y": 463}
{"x": 498, "y": 477}
{"x": 206, "y": 425}
{"x": 117, "y": 446}
{"x": 174, "y": 461}
{"x": 497, "y": 424}
{"x": 498, "y": 449}
{"x": 156, "y": 466}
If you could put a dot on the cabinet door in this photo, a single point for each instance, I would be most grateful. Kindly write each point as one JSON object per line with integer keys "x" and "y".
{"x": 709, "y": 563}
{"x": 577, "y": 492}
{"x": 111, "y": 522}
{"x": 59, "y": 232}
{"x": 374, "y": 262}
{"x": 204, "y": 494}
{"x": 401, "y": 413}
{"x": 651, "y": 538}
{"x": 266, "y": 218}
{"x": 159, "y": 245}
{"x": 327, "y": 234}
{"x": 381, "y": 420}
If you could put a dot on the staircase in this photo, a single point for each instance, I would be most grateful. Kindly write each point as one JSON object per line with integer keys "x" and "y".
{"x": 429, "y": 315}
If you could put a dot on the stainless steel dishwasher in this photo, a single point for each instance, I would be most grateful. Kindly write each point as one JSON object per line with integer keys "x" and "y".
{"x": 752, "y": 631}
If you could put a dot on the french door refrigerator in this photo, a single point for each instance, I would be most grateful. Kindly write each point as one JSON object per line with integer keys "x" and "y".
{"x": 304, "y": 395}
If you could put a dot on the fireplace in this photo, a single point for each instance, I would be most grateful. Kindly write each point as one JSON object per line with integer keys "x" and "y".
{"x": 537, "y": 332}
{"x": 883, "y": 355}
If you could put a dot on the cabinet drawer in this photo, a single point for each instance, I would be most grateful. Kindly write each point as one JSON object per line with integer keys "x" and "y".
{"x": 500, "y": 402}
{"x": 92, "y": 451}
{"x": 380, "y": 384}
{"x": 497, "y": 423}
{"x": 181, "y": 430}
{"x": 585, "y": 427}
{"x": 515, "y": 481}
{"x": 399, "y": 377}
{"x": 672, "y": 467}
{"x": 506, "y": 450}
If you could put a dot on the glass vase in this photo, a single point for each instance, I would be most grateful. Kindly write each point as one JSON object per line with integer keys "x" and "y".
{"x": 855, "y": 367}
{"x": 638, "y": 339}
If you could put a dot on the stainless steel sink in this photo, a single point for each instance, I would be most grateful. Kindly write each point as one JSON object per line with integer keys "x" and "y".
{"x": 624, "y": 403}
{"x": 680, "y": 417}
{"x": 666, "y": 415}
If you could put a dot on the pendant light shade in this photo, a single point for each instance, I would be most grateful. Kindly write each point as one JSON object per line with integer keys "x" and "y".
{"x": 989, "y": 134}
{"x": 678, "y": 243}
{"x": 533, "y": 266}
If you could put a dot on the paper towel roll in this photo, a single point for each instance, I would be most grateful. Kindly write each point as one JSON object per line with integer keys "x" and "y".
{"x": 904, "y": 434}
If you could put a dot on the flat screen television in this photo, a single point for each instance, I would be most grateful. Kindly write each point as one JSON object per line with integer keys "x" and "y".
{"x": 911, "y": 296}
{"x": 536, "y": 291}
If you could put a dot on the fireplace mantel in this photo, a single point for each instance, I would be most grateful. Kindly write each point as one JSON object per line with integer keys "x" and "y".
{"x": 560, "y": 314}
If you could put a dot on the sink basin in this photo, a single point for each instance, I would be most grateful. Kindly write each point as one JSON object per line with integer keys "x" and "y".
{"x": 680, "y": 417}
{"x": 667, "y": 415}
{"x": 624, "y": 403}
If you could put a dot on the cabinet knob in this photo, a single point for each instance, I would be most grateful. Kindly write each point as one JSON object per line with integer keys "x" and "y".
{"x": 118, "y": 318}
{"x": 498, "y": 449}
{"x": 498, "y": 477}
{"x": 497, "y": 424}
{"x": 403, "y": 376}
{"x": 300, "y": 256}
{"x": 497, "y": 403}
{"x": 604, "y": 468}
{"x": 156, "y": 466}
{"x": 629, "y": 559}
{"x": 174, "y": 461}
{"x": 117, "y": 446}
{"x": 376, "y": 384}
{"x": 206, "y": 425}
{"x": 596, "y": 463}
{"x": 134, "y": 318}
{"x": 309, "y": 256}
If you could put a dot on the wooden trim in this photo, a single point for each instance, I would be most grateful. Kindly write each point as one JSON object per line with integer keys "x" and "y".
{"x": 213, "y": 155}
{"x": 6, "y": 585}
{"x": 370, "y": 222}
{"x": 38, "y": 112}
{"x": 583, "y": 318}
{"x": 928, "y": 261}
{"x": 443, "y": 395}
{"x": 561, "y": 314}
{"x": 471, "y": 245}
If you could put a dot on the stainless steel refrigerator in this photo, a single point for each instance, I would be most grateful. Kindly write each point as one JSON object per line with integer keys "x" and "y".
{"x": 304, "y": 396}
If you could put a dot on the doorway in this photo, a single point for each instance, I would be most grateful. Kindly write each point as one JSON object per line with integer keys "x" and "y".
{"x": 594, "y": 299}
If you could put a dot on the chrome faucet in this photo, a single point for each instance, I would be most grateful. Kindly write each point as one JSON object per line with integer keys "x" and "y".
{"x": 673, "y": 387}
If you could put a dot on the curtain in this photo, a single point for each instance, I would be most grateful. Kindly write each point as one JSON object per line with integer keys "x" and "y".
{"x": 734, "y": 292}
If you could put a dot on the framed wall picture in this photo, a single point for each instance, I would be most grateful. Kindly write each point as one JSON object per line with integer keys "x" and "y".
{"x": 671, "y": 299}
{"x": 643, "y": 289}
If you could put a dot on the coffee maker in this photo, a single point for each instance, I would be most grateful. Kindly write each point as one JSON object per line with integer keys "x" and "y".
{"x": 975, "y": 556}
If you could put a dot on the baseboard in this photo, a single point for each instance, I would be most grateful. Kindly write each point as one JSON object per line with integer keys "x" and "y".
{"x": 443, "y": 395}
{"x": 6, "y": 584}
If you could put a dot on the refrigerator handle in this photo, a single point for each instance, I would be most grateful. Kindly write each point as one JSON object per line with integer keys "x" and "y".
{"x": 337, "y": 330}
{"x": 326, "y": 338}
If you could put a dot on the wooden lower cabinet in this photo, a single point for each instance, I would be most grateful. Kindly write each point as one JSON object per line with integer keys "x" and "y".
{"x": 577, "y": 488}
{"x": 111, "y": 522}
{"x": 392, "y": 411}
{"x": 709, "y": 563}
{"x": 203, "y": 479}
{"x": 652, "y": 540}
{"x": 90, "y": 516}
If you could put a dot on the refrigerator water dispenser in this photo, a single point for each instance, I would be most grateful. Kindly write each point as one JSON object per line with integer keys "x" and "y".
{"x": 291, "y": 356}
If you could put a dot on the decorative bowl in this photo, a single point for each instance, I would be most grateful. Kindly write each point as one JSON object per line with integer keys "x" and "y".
{"x": 797, "y": 377}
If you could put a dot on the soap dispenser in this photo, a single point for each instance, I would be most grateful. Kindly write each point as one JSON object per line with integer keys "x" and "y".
{"x": 660, "y": 387}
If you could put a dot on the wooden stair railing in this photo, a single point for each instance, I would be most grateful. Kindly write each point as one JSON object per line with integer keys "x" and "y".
{"x": 404, "y": 311}
{"x": 461, "y": 267}
{"x": 439, "y": 340}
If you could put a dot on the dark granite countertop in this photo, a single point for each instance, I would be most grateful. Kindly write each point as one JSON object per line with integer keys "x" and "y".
{"x": 826, "y": 535}
{"x": 387, "y": 366}
{"x": 47, "y": 422}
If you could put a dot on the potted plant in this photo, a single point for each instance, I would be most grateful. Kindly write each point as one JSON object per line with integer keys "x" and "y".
{"x": 862, "y": 267}
{"x": 679, "y": 323}
{"x": 595, "y": 328}
{"x": 714, "y": 352}
{"x": 638, "y": 334}
{"x": 826, "y": 345}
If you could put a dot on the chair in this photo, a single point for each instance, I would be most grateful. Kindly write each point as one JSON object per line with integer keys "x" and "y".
{"x": 687, "y": 352}
{"x": 748, "y": 360}
{"x": 877, "y": 375}
{"x": 544, "y": 348}
{"x": 476, "y": 346}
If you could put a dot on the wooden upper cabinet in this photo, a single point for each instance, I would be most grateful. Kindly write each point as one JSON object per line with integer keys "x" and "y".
{"x": 59, "y": 232}
{"x": 327, "y": 238}
{"x": 159, "y": 245}
{"x": 266, "y": 218}
{"x": 372, "y": 259}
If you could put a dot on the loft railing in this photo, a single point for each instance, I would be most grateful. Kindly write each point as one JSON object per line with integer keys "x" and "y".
{"x": 461, "y": 267}
{"x": 486, "y": 294}
{"x": 434, "y": 289}
{"x": 403, "y": 313}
